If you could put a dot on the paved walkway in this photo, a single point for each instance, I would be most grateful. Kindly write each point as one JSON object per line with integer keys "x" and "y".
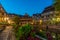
{"x": 6, "y": 33}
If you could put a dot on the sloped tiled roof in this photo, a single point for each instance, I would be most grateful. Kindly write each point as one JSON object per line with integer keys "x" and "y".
{"x": 48, "y": 9}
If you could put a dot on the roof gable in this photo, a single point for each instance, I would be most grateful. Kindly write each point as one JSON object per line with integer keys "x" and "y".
{"x": 1, "y": 8}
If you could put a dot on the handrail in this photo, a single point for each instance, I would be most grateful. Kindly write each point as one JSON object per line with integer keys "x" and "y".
{"x": 40, "y": 37}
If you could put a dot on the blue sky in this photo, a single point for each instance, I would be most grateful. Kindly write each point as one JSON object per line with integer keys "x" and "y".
{"x": 25, "y": 6}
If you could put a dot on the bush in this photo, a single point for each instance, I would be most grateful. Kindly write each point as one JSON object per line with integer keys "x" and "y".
{"x": 23, "y": 31}
{"x": 42, "y": 34}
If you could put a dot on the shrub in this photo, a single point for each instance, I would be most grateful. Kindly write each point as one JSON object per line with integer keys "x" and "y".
{"x": 23, "y": 31}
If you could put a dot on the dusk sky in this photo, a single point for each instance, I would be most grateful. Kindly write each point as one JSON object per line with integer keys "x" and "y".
{"x": 25, "y": 6}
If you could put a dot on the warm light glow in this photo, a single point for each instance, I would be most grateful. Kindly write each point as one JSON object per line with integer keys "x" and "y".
{"x": 54, "y": 19}
{"x": 54, "y": 36}
{"x": 40, "y": 21}
{"x": 9, "y": 21}
{"x": 32, "y": 23}
{"x": 58, "y": 19}
{"x": 40, "y": 30}
{"x": 6, "y": 18}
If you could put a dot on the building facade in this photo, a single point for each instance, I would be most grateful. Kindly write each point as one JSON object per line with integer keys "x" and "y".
{"x": 36, "y": 18}
{"x": 8, "y": 17}
{"x": 25, "y": 19}
{"x": 4, "y": 16}
{"x": 48, "y": 14}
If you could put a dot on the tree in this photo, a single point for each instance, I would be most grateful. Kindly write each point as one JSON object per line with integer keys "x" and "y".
{"x": 23, "y": 32}
{"x": 16, "y": 20}
{"x": 57, "y": 5}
